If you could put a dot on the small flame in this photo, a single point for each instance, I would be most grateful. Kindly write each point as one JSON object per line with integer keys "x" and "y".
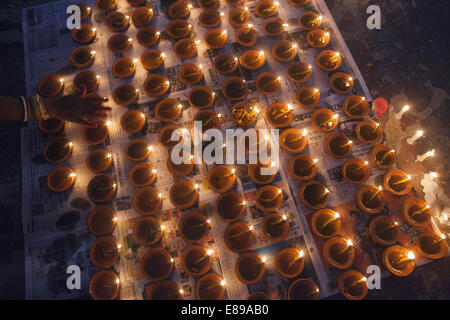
{"x": 72, "y": 175}
{"x": 349, "y": 243}
{"x": 284, "y": 217}
{"x": 301, "y": 254}
{"x": 209, "y": 252}
{"x": 263, "y": 259}
{"x": 222, "y": 283}
{"x": 405, "y": 108}
{"x": 117, "y": 281}
{"x": 119, "y": 246}
{"x": 411, "y": 255}
{"x": 196, "y": 186}
{"x": 336, "y": 215}
{"x": 250, "y": 227}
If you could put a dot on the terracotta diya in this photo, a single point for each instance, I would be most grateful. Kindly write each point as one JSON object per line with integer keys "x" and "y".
{"x": 255, "y": 173}
{"x": 352, "y": 284}
{"x": 275, "y": 227}
{"x": 51, "y": 126}
{"x": 50, "y": 86}
{"x": 137, "y": 150}
{"x": 303, "y": 289}
{"x": 326, "y": 223}
{"x": 88, "y": 79}
{"x": 225, "y": 63}
{"x": 269, "y": 198}
{"x": 152, "y": 59}
{"x": 397, "y": 182}
{"x": 142, "y": 17}
{"x": 101, "y": 221}
{"x": 85, "y": 10}
{"x": 246, "y": 36}
{"x": 284, "y": 51}
{"x": 307, "y": 97}
{"x": 258, "y": 296}
{"x": 117, "y": 21}
{"x": 356, "y": 171}
{"x": 193, "y": 227}
{"x": 183, "y": 194}
{"x": 101, "y": 188}
{"x": 179, "y": 9}
{"x": 99, "y": 160}
{"x": 168, "y": 110}
{"x": 182, "y": 169}
{"x": 235, "y": 88}
{"x": 142, "y": 175}
{"x": 106, "y": 5}
{"x": 178, "y": 29}
{"x": 416, "y": 212}
{"x": 339, "y": 252}
{"x": 299, "y": 3}
{"x": 268, "y": 83}
{"x": 132, "y": 121}
{"x": 239, "y": 17}
{"x": 156, "y": 85}
{"x": 293, "y": 141}
{"x": 318, "y": 38}
{"x": 104, "y": 252}
{"x": 147, "y": 201}
{"x": 186, "y": 48}
{"x": 250, "y": 267}
{"x": 313, "y": 195}
{"x": 166, "y": 133}
{"x": 341, "y": 83}
{"x": 84, "y": 35}
{"x": 196, "y": 260}
{"x": 383, "y": 157}
{"x": 289, "y": 262}
{"x": 244, "y": 114}
{"x": 369, "y": 132}
{"x": 208, "y": 4}
{"x": 190, "y": 74}
{"x": 338, "y": 145}
{"x": 215, "y": 38}
{"x": 274, "y": 26}
{"x": 82, "y": 57}
{"x": 370, "y": 199}
{"x": 324, "y": 120}
{"x": 329, "y": 60}
{"x": 238, "y": 236}
{"x": 61, "y": 179}
{"x": 299, "y": 72}
{"x": 252, "y": 59}
{"x": 302, "y": 167}
{"x": 147, "y": 231}
{"x": 58, "y": 150}
{"x": 399, "y": 260}
{"x": 266, "y": 8}
{"x": 210, "y": 119}
{"x": 147, "y": 37}
{"x": 125, "y": 94}
{"x": 309, "y": 20}
{"x": 156, "y": 264}
{"x": 230, "y": 206}
{"x": 201, "y": 97}
{"x": 279, "y": 114}
{"x": 210, "y": 18}
{"x": 104, "y": 285}
{"x": 355, "y": 107}
{"x": 119, "y": 43}
{"x": 432, "y": 245}
{"x": 163, "y": 290}
{"x": 124, "y": 68}
{"x": 210, "y": 287}
{"x": 221, "y": 179}
{"x": 383, "y": 230}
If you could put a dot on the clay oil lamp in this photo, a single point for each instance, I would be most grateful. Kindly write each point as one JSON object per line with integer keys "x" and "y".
{"x": 117, "y": 21}
{"x": 279, "y": 114}
{"x": 99, "y": 160}
{"x": 299, "y": 72}
{"x": 215, "y": 38}
{"x": 329, "y": 60}
{"x": 168, "y": 110}
{"x": 397, "y": 182}
{"x": 58, "y": 150}
{"x": 166, "y": 133}
{"x": 124, "y": 67}
{"x": 142, "y": 175}
{"x": 183, "y": 194}
{"x": 239, "y": 17}
{"x": 85, "y": 11}
{"x": 416, "y": 212}
{"x": 86, "y": 79}
{"x": 183, "y": 169}
{"x": 147, "y": 37}
{"x": 246, "y": 36}
{"x": 383, "y": 230}
{"x": 369, "y": 132}
{"x": 303, "y": 289}
{"x": 252, "y": 59}
{"x": 208, "y": 4}
{"x": 101, "y": 188}
{"x": 147, "y": 201}
{"x": 142, "y": 17}
{"x": 147, "y": 231}
{"x": 230, "y": 206}
{"x": 225, "y": 63}
{"x": 299, "y": 3}
{"x": 275, "y": 227}
{"x": 210, "y": 287}
{"x": 82, "y": 57}
{"x": 132, "y": 121}
{"x": 104, "y": 285}
{"x": 179, "y": 10}
{"x": 338, "y": 145}
{"x": 201, "y": 97}
{"x": 50, "y": 126}
{"x": 156, "y": 85}
{"x": 339, "y": 252}
{"x": 370, "y": 199}
{"x": 303, "y": 167}
{"x": 293, "y": 141}
{"x": 284, "y": 51}
{"x": 101, "y": 221}
{"x": 307, "y": 97}
{"x": 326, "y": 223}
{"x": 289, "y": 262}
{"x": 221, "y": 179}
{"x": 104, "y": 252}
{"x": 318, "y": 38}
{"x": 235, "y": 88}
{"x": 356, "y": 171}
{"x": 152, "y": 59}
{"x": 250, "y": 267}
{"x": 244, "y": 114}
{"x": 432, "y": 245}
{"x": 313, "y": 195}
{"x": 210, "y": 119}
{"x": 238, "y": 236}
{"x": 269, "y": 198}
{"x": 324, "y": 120}
{"x": 274, "y": 26}
{"x": 258, "y": 296}
{"x": 136, "y": 3}
{"x": 266, "y": 8}
{"x": 383, "y": 157}
{"x": 190, "y": 74}
{"x": 105, "y": 5}
{"x": 178, "y": 29}
{"x": 194, "y": 227}
{"x": 61, "y": 179}
{"x": 84, "y": 35}
{"x": 137, "y": 150}
{"x": 352, "y": 284}
{"x": 50, "y": 86}
{"x": 125, "y": 94}
{"x": 210, "y": 18}
{"x": 268, "y": 83}
{"x": 355, "y": 107}
{"x": 309, "y": 20}
{"x": 119, "y": 43}
{"x": 186, "y": 48}
{"x": 157, "y": 264}
{"x": 196, "y": 260}
{"x": 341, "y": 83}
{"x": 399, "y": 260}
{"x": 255, "y": 173}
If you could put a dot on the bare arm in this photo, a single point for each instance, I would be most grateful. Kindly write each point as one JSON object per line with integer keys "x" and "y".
{"x": 10, "y": 109}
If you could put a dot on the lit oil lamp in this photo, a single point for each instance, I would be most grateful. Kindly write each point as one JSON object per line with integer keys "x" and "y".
{"x": 210, "y": 287}
{"x": 303, "y": 289}
{"x": 353, "y": 285}
{"x": 157, "y": 264}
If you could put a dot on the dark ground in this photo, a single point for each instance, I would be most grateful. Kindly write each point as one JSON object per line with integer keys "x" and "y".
{"x": 405, "y": 61}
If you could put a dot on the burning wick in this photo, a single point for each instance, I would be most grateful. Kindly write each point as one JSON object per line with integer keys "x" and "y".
{"x": 361, "y": 166}
{"x": 241, "y": 204}
{"x": 193, "y": 44}
{"x": 273, "y": 198}
{"x": 329, "y": 121}
{"x": 283, "y": 112}
{"x": 415, "y": 137}
{"x": 218, "y": 116}
{"x": 335, "y": 217}
{"x": 301, "y": 253}
{"x": 420, "y": 211}
{"x": 375, "y": 193}
{"x": 313, "y": 95}
{"x": 223, "y": 33}
{"x": 409, "y": 257}
{"x": 281, "y": 220}
{"x": 310, "y": 166}
{"x": 260, "y": 54}
{"x": 304, "y": 72}
{"x": 263, "y": 259}
{"x": 325, "y": 192}
{"x": 271, "y": 8}
{"x": 346, "y": 144}
{"x": 185, "y": 28}
{"x": 376, "y": 127}
{"x": 209, "y": 252}
{"x": 299, "y": 137}
{"x": 349, "y": 245}
{"x": 243, "y": 13}
{"x": 272, "y": 81}
{"x": 402, "y": 112}
{"x": 250, "y": 229}
{"x": 333, "y": 57}
{"x": 323, "y": 38}
{"x": 356, "y": 104}
{"x": 313, "y": 292}
{"x": 291, "y": 48}
{"x": 159, "y": 86}
{"x": 386, "y": 154}
{"x": 229, "y": 174}
{"x": 190, "y": 192}
{"x": 113, "y": 186}
{"x": 392, "y": 226}
{"x": 217, "y": 284}
{"x": 408, "y": 177}
{"x": 230, "y": 62}
{"x": 440, "y": 240}
{"x": 354, "y": 283}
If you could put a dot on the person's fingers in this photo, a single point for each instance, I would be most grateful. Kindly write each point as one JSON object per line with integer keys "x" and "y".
{"x": 88, "y": 123}
{"x": 95, "y": 101}
{"x": 103, "y": 108}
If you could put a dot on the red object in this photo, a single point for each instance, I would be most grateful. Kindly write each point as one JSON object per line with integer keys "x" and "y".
{"x": 379, "y": 107}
